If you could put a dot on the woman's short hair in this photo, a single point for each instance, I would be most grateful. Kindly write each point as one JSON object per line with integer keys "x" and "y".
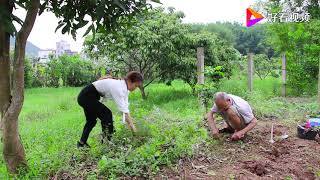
{"x": 134, "y": 76}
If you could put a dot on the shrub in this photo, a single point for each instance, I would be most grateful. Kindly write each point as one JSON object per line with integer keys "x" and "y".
{"x": 27, "y": 73}
{"x": 161, "y": 144}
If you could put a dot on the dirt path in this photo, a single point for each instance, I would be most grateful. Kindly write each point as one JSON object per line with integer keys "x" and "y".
{"x": 254, "y": 158}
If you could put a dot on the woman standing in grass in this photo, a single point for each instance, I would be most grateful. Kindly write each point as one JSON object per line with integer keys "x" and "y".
{"x": 110, "y": 88}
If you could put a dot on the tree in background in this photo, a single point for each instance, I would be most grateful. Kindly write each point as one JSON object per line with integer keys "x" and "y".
{"x": 100, "y": 62}
{"x": 224, "y": 31}
{"x": 103, "y": 16}
{"x": 254, "y": 40}
{"x": 216, "y": 51}
{"x": 301, "y": 44}
{"x": 245, "y": 40}
{"x": 27, "y": 74}
{"x": 71, "y": 70}
{"x": 263, "y": 66}
{"x": 161, "y": 48}
{"x": 151, "y": 46}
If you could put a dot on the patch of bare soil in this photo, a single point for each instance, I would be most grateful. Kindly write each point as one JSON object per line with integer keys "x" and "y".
{"x": 253, "y": 158}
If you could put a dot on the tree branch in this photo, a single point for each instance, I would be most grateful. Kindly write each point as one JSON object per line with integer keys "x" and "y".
{"x": 165, "y": 71}
{"x": 31, "y": 16}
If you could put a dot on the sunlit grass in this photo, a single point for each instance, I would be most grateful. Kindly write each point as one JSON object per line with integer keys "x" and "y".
{"x": 170, "y": 123}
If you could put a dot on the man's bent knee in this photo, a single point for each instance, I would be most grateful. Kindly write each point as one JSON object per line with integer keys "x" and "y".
{"x": 234, "y": 119}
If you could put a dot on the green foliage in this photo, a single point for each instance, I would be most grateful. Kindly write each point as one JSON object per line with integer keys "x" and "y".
{"x": 73, "y": 71}
{"x": 62, "y": 71}
{"x": 207, "y": 90}
{"x": 161, "y": 47}
{"x": 39, "y": 76}
{"x": 245, "y": 40}
{"x": 27, "y": 73}
{"x": 301, "y": 44}
{"x": 254, "y": 40}
{"x": 263, "y": 66}
{"x": 169, "y": 124}
{"x": 161, "y": 146}
{"x": 222, "y": 30}
{"x": 214, "y": 73}
{"x": 153, "y": 44}
{"x": 103, "y": 15}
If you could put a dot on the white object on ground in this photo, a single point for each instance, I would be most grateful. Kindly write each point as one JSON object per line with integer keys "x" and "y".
{"x": 285, "y": 136}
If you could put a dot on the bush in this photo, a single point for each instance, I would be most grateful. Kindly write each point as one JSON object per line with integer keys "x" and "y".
{"x": 72, "y": 70}
{"x": 39, "y": 76}
{"x": 62, "y": 71}
{"x": 27, "y": 74}
{"x": 143, "y": 154}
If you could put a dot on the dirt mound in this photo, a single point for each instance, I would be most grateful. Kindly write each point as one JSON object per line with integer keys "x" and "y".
{"x": 278, "y": 130}
{"x": 259, "y": 168}
{"x": 253, "y": 158}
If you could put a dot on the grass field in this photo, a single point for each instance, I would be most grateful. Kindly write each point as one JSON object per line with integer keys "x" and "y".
{"x": 170, "y": 124}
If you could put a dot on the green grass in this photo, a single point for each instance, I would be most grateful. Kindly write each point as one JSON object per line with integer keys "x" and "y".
{"x": 51, "y": 123}
{"x": 169, "y": 122}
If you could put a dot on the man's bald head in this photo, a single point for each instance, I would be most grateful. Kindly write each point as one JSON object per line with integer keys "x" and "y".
{"x": 221, "y": 99}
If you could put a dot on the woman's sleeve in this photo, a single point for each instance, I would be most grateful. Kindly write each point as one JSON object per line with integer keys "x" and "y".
{"x": 121, "y": 99}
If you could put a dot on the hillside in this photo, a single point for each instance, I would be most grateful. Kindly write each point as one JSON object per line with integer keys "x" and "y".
{"x": 31, "y": 49}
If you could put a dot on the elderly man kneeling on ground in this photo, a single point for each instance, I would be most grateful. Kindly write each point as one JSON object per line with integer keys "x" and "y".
{"x": 236, "y": 112}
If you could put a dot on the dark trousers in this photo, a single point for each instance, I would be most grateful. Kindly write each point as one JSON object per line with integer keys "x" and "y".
{"x": 88, "y": 99}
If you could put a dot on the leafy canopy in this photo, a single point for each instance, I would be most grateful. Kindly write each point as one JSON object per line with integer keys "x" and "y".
{"x": 100, "y": 15}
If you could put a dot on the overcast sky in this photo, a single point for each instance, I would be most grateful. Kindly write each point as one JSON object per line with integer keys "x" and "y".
{"x": 196, "y": 11}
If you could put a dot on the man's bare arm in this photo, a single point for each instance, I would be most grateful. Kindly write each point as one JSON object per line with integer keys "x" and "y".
{"x": 212, "y": 124}
{"x": 250, "y": 126}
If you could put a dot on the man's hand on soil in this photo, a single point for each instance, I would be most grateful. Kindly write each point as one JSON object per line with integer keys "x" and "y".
{"x": 215, "y": 133}
{"x": 237, "y": 136}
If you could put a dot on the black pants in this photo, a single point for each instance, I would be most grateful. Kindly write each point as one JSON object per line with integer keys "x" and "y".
{"x": 88, "y": 99}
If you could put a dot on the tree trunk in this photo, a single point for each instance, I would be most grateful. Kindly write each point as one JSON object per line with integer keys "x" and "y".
{"x": 143, "y": 93}
{"x": 319, "y": 85}
{"x": 5, "y": 73}
{"x": 13, "y": 151}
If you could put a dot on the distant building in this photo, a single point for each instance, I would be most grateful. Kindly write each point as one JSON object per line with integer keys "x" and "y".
{"x": 62, "y": 47}
{"x": 69, "y": 52}
{"x": 44, "y": 55}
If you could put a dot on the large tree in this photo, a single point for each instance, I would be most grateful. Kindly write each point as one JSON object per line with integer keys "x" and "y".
{"x": 151, "y": 46}
{"x": 300, "y": 42}
{"x": 161, "y": 47}
{"x": 102, "y": 15}
{"x": 244, "y": 39}
{"x": 217, "y": 52}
